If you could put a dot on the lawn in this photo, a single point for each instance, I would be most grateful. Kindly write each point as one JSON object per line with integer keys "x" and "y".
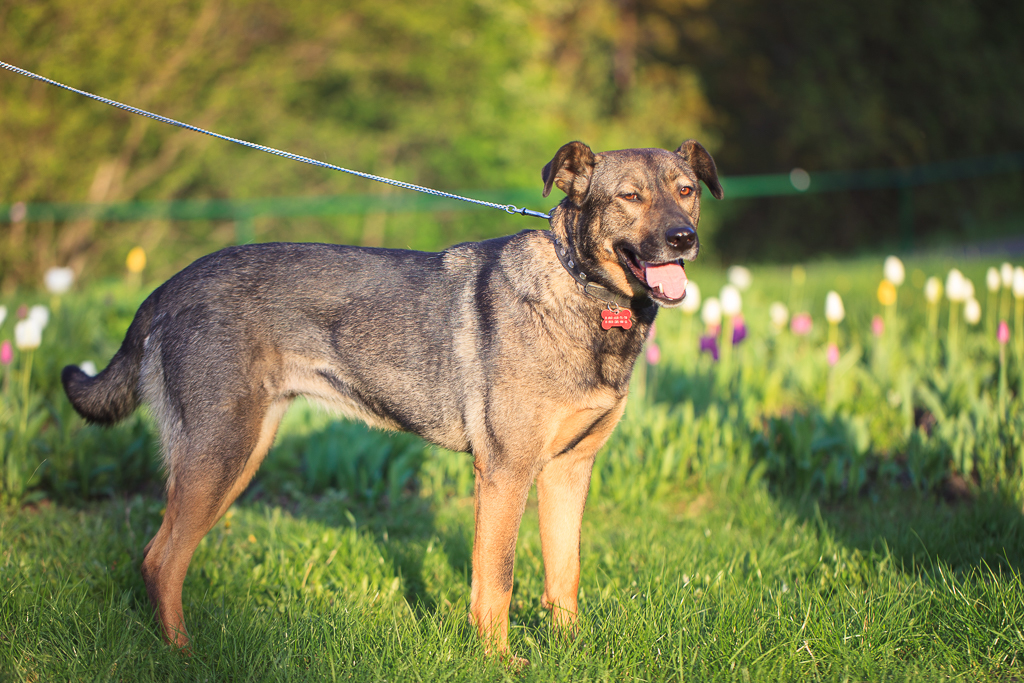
{"x": 782, "y": 513}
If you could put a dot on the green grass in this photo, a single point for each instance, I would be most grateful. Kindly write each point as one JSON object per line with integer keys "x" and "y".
{"x": 776, "y": 519}
{"x": 731, "y": 584}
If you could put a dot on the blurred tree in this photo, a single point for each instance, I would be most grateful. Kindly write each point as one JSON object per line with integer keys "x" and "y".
{"x": 455, "y": 94}
{"x": 841, "y": 85}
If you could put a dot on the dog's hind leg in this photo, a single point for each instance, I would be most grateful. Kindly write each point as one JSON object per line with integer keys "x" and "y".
{"x": 206, "y": 477}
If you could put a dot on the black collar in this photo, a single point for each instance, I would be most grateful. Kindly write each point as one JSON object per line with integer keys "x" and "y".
{"x": 589, "y": 286}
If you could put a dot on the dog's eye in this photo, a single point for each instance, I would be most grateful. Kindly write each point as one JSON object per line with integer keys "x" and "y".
{"x": 631, "y": 197}
{"x": 686, "y": 191}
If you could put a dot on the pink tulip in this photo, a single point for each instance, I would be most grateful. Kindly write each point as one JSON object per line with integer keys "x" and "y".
{"x": 6, "y": 352}
{"x": 801, "y": 324}
{"x": 1004, "y": 333}
{"x": 653, "y": 353}
{"x": 833, "y": 354}
{"x": 877, "y": 326}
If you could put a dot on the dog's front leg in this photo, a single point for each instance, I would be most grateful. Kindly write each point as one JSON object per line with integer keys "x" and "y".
{"x": 500, "y": 500}
{"x": 562, "y": 488}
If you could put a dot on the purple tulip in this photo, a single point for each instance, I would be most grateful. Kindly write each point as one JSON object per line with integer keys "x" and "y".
{"x": 709, "y": 344}
{"x": 739, "y": 330}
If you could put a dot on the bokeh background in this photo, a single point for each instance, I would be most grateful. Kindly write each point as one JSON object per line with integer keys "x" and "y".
{"x": 476, "y": 95}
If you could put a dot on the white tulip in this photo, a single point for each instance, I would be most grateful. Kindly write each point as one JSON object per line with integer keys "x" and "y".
{"x": 732, "y": 302}
{"x": 691, "y": 304}
{"x": 992, "y": 279}
{"x": 28, "y": 334}
{"x": 3, "y": 314}
{"x": 59, "y": 280}
{"x": 1006, "y": 273}
{"x": 894, "y": 271}
{"x": 779, "y": 314}
{"x": 933, "y": 290}
{"x": 834, "y": 310}
{"x": 956, "y": 286}
{"x": 40, "y": 314}
{"x": 711, "y": 314}
{"x": 1018, "y": 282}
{"x": 89, "y": 368}
{"x": 972, "y": 311}
{"x": 740, "y": 278}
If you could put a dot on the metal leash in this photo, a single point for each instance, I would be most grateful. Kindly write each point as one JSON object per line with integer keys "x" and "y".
{"x": 508, "y": 208}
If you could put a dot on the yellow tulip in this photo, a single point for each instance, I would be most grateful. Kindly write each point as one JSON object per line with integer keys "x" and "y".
{"x": 136, "y": 260}
{"x": 886, "y": 293}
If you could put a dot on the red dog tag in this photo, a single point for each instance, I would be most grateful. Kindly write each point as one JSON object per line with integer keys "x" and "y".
{"x": 619, "y": 318}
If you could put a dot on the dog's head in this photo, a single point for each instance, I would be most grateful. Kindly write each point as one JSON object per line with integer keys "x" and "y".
{"x": 632, "y": 214}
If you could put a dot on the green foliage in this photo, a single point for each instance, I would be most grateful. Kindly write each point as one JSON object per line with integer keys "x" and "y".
{"x": 835, "y": 86}
{"x": 467, "y": 95}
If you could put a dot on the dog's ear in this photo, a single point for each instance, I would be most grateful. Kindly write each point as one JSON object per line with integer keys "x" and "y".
{"x": 702, "y": 164}
{"x": 570, "y": 170}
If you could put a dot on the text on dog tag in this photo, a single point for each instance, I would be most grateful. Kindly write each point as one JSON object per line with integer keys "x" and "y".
{"x": 619, "y": 318}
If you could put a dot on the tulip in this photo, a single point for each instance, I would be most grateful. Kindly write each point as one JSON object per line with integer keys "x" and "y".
{"x": 3, "y": 314}
{"x": 1003, "y": 336}
{"x": 993, "y": 282}
{"x": 41, "y": 315}
{"x": 7, "y": 352}
{"x": 88, "y": 367}
{"x": 732, "y": 306}
{"x": 691, "y": 304}
{"x": 59, "y": 280}
{"x": 1017, "y": 287}
{"x": 834, "y": 313}
{"x": 801, "y": 324}
{"x": 779, "y": 315}
{"x": 877, "y": 326}
{"x": 653, "y": 353}
{"x": 709, "y": 344}
{"x": 739, "y": 330}
{"x": 732, "y": 302}
{"x": 833, "y": 353}
{"x": 834, "y": 310}
{"x": 956, "y": 286}
{"x": 740, "y": 278}
{"x": 886, "y": 293}
{"x": 972, "y": 311}
{"x": 1006, "y": 277}
{"x": 711, "y": 313}
{"x": 136, "y": 261}
{"x": 992, "y": 279}
{"x": 1006, "y": 274}
{"x": 28, "y": 335}
{"x": 894, "y": 271}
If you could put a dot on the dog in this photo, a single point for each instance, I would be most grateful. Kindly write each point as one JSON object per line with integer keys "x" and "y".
{"x": 518, "y": 350}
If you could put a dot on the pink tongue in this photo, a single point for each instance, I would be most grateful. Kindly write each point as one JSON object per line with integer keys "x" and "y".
{"x": 668, "y": 278}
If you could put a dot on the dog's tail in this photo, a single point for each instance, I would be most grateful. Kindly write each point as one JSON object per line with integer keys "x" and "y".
{"x": 113, "y": 394}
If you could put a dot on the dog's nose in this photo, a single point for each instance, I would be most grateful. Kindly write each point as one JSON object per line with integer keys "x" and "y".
{"x": 682, "y": 238}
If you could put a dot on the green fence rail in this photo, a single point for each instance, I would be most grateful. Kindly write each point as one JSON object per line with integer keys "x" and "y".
{"x": 772, "y": 185}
